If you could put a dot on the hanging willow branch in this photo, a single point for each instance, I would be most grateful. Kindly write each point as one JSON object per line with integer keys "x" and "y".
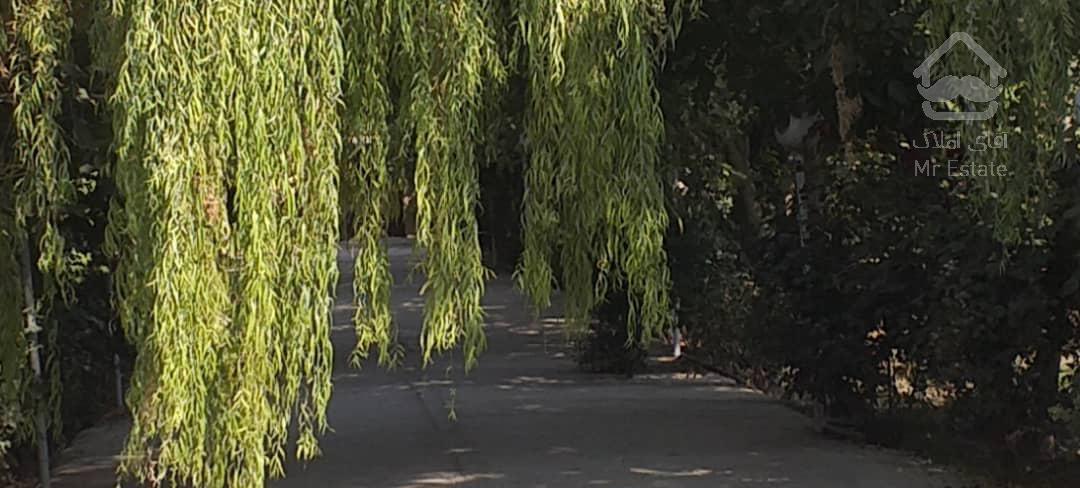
{"x": 227, "y": 143}
{"x": 36, "y": 189}
{"x": 1029, "y": 39}
{"x": 593, "y": 193}
{"x": 226, "y": 167}
{"x": 449, "y": 53}
{"x": 42, "y": 34}
{"x": 366, "y": 185}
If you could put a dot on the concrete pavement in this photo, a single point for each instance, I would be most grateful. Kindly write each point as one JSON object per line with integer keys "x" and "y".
{"x": 527, "y": 418}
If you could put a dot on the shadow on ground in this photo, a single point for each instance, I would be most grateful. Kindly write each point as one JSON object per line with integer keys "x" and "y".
{"x": 527, "y": 418}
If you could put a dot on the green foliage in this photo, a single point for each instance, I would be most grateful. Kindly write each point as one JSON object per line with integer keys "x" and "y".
{"x": 449, "y": 52}
{"x": 593, "y": 196}
{"x": 1033, "y": 208}
{"x": 904, "y": 304}
{"x": 15, "y": 378}
{"x": 36, "y": 188}
{"x": 1031, "y": 39}
{"x": 227, "y": 145}
{"x": 233, "y": 122}
{"x": 366, "y": 176}
{"x": 42, "y": 33}
{"x": 225, "y": 219}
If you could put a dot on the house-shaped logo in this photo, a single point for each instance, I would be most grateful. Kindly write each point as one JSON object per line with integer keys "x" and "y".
{"x": 951, "y": 87}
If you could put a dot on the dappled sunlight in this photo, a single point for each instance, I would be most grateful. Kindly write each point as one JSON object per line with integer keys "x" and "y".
{"x": 525, "y": 330}
{"x": 672, "y": 474}
{"x": 558, "y": 323}
{"x": 538, "y": 408}
{"x": 344, "y": 307}
{"x": 449, "y": 479}
{"x": 431, "y": 383}
{"x": 91, "y": 467}
{"x": 693, "y": 378}
{"x": 538, "y": 380}
{"x": 348, "y": 375}
{"x": 520, "y": 354}
{"x": 730, "y": 389}
{"x": 412, "y": 305}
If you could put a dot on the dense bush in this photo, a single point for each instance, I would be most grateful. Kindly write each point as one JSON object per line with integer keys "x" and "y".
{"x": 905, "y": 312}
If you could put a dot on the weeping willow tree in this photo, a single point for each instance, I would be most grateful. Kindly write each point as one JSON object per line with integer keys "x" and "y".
{"x": 34, "y": 189}
{"x": 42, "y": 34}
{"x": 448, "y": 46}
{"x": 226, "y": 124}
{"x": 445, "y": 58}
{"x": 594, "y": 200}
{"x": 227, "y": 119}
{"x": 1036, "y": 43}
{"x": 366, "y": 184}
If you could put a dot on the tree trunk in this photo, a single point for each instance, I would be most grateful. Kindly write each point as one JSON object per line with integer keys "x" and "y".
{"x": 32, "y": 330}
{"x": 747, "y": 213}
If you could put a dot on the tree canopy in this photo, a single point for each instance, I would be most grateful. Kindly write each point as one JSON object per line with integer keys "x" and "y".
{"x": 243, "y": 139}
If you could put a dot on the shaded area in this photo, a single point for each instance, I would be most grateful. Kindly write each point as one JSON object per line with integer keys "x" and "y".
{"x": 528, "y": 417}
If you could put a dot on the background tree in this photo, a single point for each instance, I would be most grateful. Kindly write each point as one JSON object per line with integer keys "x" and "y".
{"x": 942, "y": 302}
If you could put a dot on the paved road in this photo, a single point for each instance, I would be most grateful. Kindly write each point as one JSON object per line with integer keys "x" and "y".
{"x": 527, "y": 418}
